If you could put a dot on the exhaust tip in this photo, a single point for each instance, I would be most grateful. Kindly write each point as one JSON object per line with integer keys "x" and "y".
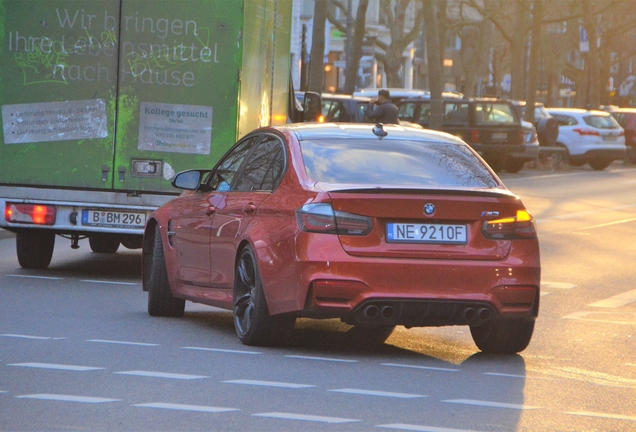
{"x": 469, "y": 314}
{"x": 484, "y": 314}
{"x": 371, "y": 312}
{"x": 387, "y": 312}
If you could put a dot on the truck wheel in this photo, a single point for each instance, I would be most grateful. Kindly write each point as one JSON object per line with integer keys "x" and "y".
{"x": 503, "y": 336}
{"x": 103, "y": 243}
{"x": 161, "y": 302}
{"x": 34, "y": 248}
{"x": 253, "y": 324}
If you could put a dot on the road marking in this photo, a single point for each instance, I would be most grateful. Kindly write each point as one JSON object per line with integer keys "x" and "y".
{"x": 222, "y": 350}
{"x": 289, "y": 416}
{"x": 4, "y": 391}
{"x": 68, "y": 398}
{"x": 491, "y": 404}
{"x": 121, "y": 342}
{"x": 602, "y": 415}
{"x": 180, "y": 407}
{"x": 56, "y": 366}
{"x": 26, "y": 336}
{"x": 161, "y": 375}
{"x": 321, "y": 359}
{"x": 519, "y": 376}
{"x": 617, "y": 300}
{"x": 408, "y": 427}
{"x": 582, "y": 316}
{"x": 378, "y": 393}
{"x": 557, "y": 285}
{"x": 109, "y": 282}
{"x": 421, "y": 367}
{"x": 34, "y": 277}
{"x": 269, "y": 383}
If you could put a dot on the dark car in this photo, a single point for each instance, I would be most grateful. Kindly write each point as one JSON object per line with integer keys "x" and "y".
{"x": 341, "y": 108}
{"x": 626, "y": 117}
{"x": 375, "y": 225}
{"x": 546, "y": 125}
{"x": 491, "y": 126}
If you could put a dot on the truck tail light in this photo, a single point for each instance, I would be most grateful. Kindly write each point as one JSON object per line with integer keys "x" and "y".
{"x": 37, "y": 214}
{"x": 520, "y": 226}
{"x": 321, "y": 218}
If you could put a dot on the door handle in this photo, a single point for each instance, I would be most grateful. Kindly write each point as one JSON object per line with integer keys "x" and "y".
{"x": 249, "y": 208}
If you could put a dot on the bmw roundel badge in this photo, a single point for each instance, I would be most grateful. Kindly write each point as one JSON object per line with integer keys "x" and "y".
{"x": 429, "y": 208}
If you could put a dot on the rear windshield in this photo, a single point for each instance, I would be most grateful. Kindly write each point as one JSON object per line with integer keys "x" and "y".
{"x": 399, "y": 163}
{"x": 601, "y": 121}
{"x": 495, "y": 112}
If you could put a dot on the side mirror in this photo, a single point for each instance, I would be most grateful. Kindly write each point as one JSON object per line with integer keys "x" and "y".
{"x": 312, "y": 107}
{"x": 188, "y": 180}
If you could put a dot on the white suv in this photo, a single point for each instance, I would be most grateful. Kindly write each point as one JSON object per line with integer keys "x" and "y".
{"x": 590, "y": 136}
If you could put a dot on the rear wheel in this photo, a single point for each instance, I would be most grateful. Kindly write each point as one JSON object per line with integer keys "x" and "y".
{"x": 513, "y": 165}
{"x": 161, "y": 302}
{"x": 600, "y": 164}
{"x": 253, "y": 324}
{"x": 34, "y": 248}
{"x": 503, "y": 336}
{"x": 103, "y": 243}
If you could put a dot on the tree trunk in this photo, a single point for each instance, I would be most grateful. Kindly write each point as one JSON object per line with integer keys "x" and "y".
{"x": 518, "y": 53}
{"x": 533, "y": 63}
{"x": 435, "y": 71}
{"x": 353, "y": 63}
{"x": 316, "y": 58}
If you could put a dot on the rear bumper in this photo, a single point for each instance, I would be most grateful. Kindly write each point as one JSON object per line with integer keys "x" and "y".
{"x": 529, "y": 152}
{"x": 502, "y": 151}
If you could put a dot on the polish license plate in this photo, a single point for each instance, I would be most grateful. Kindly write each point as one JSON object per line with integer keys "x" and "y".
{"x": 426, "y": 233}
{"x": 117, "y": 219}
{"x": 499, "y": 135}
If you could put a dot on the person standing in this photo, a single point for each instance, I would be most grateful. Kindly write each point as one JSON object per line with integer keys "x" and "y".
{"x": 382, "y": 110}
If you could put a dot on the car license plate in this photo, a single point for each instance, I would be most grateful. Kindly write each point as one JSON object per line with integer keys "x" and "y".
{"x": 119, "y": 219}
{"x": 499, "y": 135}
{"x": 609, "y": 138}
{"x": 426, "y": 233}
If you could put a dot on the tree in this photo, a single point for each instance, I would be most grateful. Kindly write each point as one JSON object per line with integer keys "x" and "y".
{"x": 316, "y": 57}
{"x": 435, "y": 71}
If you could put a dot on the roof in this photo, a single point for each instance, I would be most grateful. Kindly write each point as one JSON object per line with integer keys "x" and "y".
{"x": 576, "y": 111}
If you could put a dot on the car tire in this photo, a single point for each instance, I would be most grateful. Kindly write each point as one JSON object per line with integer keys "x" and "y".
{"x": 548, "y": 131}
{"x": 513, "y": 165}
{"x": 34, "y": 248}
{"x": 599, "y": 164}
{"x": 369, "y": 336}
{"x": 161, "y": 302}
{"x": 503, "y": 336}
{"x": 252, "y": 322}
{"x": 103, "y": 243}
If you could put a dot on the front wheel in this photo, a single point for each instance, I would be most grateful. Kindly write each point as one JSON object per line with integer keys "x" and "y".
{"x": 35, "y": 248}
{"x": 253, "y": 324}
{"x": 503, "y": 336}
{"x": 161, "y": 302}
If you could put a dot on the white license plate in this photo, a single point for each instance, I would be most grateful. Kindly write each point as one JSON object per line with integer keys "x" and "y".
{"x": 609, "y": 138}
{"x": 425, "y": 233}
{"x": 499, "y": 135}
{"x": 119, "y": 219}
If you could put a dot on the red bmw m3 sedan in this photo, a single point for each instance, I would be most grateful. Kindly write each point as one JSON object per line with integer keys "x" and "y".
{"x": 378, "y": 226}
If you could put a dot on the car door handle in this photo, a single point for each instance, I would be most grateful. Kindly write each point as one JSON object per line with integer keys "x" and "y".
{"x": 210, "y": 211}
{"x": 249, "y": 208}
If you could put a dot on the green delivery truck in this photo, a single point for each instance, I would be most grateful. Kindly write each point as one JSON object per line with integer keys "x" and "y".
{"x": 103, "y": 101}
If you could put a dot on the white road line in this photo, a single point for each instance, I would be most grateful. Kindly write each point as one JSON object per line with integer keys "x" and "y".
{"x": 421, "y": 367}
{"x": 161, "y": 375}
{"x": 491, "y": 404}
{"x": 581, "y": 316}
{"x": 121, "y": 342}
{"x": 289, "y": 416}
{"x": 378, "y": 393}
{"x": 222, "y": 350}
{"x": 25, "y": 336}
{"x": 67, "y": 398}
{"x": 180, "y": 407}
{"x": 519, "y": 376}
{"x": 602, "y": 415}
{"x": 57, "y": 366}
{"x": 557, "y": 285}
{"x": 321, "y": 359}
{"x": 617, "y": 300}
{"x": 268, "y": 383}
{"x": 109, "y": 282}
{"x": 418, "y": 428}
{"x": 34, "y": 277}
{"x": 4, "y": 391}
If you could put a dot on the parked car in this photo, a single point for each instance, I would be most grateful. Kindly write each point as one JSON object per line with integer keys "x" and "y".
{"x": 491, "y": 126}
{"x": 378, "y": 226}
{"x": 590, "y": 136}
{"x": 397, "y": 94}
{"x": 626, "y": 118}
{"x": 547, "y": 126}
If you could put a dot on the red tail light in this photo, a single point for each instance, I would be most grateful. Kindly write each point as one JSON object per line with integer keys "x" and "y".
{"x": 520, "y": 226}
{"x": 30, "y": 213}
{"x": 521, "y": 136}
{"x": 586, "y": 132}
{"x": 321, "y": 218}
{"x": 474, "y": 136}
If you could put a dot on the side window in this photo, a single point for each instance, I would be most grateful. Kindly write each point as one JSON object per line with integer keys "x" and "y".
{"x": 425, "y": 113}
{"x": 264, "y": 168}
{"x": 455, "y": 112}
{"x": 406, "y": 112}
{"x": 222, "y": 177}
{"x": 566, "y": 120}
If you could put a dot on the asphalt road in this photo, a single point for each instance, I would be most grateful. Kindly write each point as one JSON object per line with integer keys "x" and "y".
{"x": 79, "y": 352}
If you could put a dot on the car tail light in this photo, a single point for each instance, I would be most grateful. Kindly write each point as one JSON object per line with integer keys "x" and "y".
{"x": 321, "y": 218}
{"x": 521, "y": 136}
{"x": 586, "y": 132}
{"x": 30, "y": 213}
{"x": 520, "y": 226}
{"x": 474, "y": 136}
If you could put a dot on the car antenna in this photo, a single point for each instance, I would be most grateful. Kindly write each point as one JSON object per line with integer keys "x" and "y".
{"x": 378, "y": 130}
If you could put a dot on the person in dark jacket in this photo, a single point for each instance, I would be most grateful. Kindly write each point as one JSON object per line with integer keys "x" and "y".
{"x": 382, "y": 110}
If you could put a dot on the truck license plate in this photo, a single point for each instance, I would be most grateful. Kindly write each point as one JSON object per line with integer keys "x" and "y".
{"x": 426, "y": 233}
{"x": 119, "y": 219}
